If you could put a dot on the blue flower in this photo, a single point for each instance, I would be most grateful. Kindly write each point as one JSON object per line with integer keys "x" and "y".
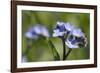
{"x": 57, "y": 33}
{"x": 59, "y": 30}
{"x": 74, "y": 36}
{"x": 69, "y": 27}
{"x": 31, "y": 34}
{"x": 34, "y": 32}
{"x": 41, "y": 30}
{"x": 76, "y": 39}
{"x": 60, "y": 26}
{"x": 78, "y": 32}
{"x": 62, "y": 29}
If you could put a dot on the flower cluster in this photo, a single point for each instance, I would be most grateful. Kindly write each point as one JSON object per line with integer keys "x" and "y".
{"x": 36, "y": 31}
{"x": 62, "y": 29}
{"x": 70, "y": 35}
{"x": 75, "y": 37}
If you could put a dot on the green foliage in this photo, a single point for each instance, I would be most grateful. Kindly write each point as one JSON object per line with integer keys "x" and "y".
{"x": 41, "y": 49}
{"x": 54, "y": 51}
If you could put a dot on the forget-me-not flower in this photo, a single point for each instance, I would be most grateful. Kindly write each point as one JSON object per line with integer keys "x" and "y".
{"x": 69, "y": 27}
{"x": 31, "y": 34}
{"x": 41, "y": 30}
{"x": 59, "y": 30}
{"x": 76, "y": 39}
{"x": 35, "y": 31}
{"x": 62, "y": 29}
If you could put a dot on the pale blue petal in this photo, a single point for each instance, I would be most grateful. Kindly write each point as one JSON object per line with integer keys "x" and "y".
{"x": 59, "y": 30}
{"x": 57, "y": 33}
{"x": 45, "y": 32}
{"x": 70, "y": 45}
{"x": 29, "y": 35}
{"x": 78, "y": 33}
{"x": 37, "y": 29}
{"x": 69, "y": 27}
{"x": 60, "y": 23}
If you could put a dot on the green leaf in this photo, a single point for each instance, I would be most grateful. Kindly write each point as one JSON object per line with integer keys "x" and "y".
{"x": 55, "y": 53}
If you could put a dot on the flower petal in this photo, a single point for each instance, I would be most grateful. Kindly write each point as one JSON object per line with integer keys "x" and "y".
{"x": 45, "y": 32}
{"x": 69, "y": 27}
{"x": 78, "y": 33}
{"x": 70, "y": 45}
{"x": 57, "y": 33}
{"x": 59, "y": 30}
{"x": 37, "y": 30}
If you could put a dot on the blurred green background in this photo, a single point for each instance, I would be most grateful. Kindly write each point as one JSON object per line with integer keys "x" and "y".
{"x": 41, "y": 51}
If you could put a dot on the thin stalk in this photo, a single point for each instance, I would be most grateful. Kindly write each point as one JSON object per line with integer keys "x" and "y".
{"x": 54, "y": 51}
{"x": 66, "y": 56}
{"x": 64, "y": 49}
{"x": 51, "y": 45}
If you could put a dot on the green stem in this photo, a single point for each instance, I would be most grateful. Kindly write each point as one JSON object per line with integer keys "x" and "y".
{"x": 66, "y": 56}
{"x": 54, "y": 51}
{"x": 64, "y": 49}
{"x": 51, "y": 45}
